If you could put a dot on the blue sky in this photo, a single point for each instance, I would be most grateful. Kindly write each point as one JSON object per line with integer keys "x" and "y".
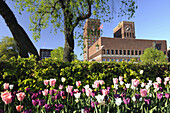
{"x": 152, "y": 21}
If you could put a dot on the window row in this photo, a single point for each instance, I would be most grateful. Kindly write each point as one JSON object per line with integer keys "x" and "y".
{"x": 117, "y": 60}
{"x": 122, "y": 52}
{"x": 129, "y": 35}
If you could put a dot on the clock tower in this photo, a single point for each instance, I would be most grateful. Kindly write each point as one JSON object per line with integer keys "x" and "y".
{"x": 125, "y": 30}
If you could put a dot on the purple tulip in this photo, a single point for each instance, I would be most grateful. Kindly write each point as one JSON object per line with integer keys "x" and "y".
{"x": 35, "y": 102}
{"x": 92, "y": 104}
{"x": 167, "y": 95}
{"x": 123, "y": 94}
{"x": 51, "y": 92}
{"x": 125, "y": 89}
{"x": 126, "y": 101}
{"x": 59, "y": 107}
{"x": 34, "y": 96}
{"x": 160, "y": 89}
{"x": 86, "y": 110}
{"x": 159, "y": 95}
{"x": 62, "y": 93}
{"x": 47, "y": 107}
{"x": 147, "y": 101}
{"x": 137, "y": 96}
{"x": 108, "y": 88}
{"x": 27, "y": 89}
{"x": 41, "y": 102}
{"x": 57, "y": 96}
{"x": 27, "y": 111}
{"x": 1, "y": 111}
{"x": 116, "y": 95}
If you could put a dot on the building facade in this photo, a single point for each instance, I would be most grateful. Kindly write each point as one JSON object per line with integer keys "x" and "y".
{"x": 123, "y": 45}
{"x": 45, "y": 53}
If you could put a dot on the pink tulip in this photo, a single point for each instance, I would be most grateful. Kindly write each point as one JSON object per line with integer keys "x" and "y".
{"x": 6, "y": 97}
{"x": 88, "y": 92}
{"x": 115, "y": 80}
{"x": 45, "y": 92}
{"x": 69, "y": 89}
{"x": 126, "y": 101}
{"x": 60, "y": 86}
{"x": 165, "y": 83}
{"x": 105, "y": 92}
{"x": 120, "y": 78}
{"x": 159, "y": 95}
{"x": 101, "y": 82}
{"x": 46, "y": 82}
{"x": 156, "y": 85}
{"x": 19, "y": 108}
{"x": 78, "y": 83}
{"x": 76, "y": 90}
{"x": 159, "y": 80}
{"x": 52, "y": 82}
{"x": 135, "y": 82}
{"x": 143, "y": 92}
{"x": 167, "y": 95}
{"x": 6, "y": 85}
{"x": 96, "y": 84}
{"x": 20, "y": 96}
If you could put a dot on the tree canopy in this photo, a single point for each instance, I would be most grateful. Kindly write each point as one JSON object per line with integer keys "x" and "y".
{"x": 153, "y": 55}
{"x": 58, "y": 53}
{"x": 68, "y": 14}
{"x": 8, "y": 48}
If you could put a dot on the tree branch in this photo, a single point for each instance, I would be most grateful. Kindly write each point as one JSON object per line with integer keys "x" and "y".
{"x": 82, "y": 17}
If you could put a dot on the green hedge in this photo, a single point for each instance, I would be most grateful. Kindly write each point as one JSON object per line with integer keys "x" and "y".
{"x": 27, "y": 72}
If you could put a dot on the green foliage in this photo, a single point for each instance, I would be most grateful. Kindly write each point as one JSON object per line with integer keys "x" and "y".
{"x": 58, "y": 54}
{"x": 27, "y": 72}
{"x": 8, "y": 48}
{"x": 152, "y": 55}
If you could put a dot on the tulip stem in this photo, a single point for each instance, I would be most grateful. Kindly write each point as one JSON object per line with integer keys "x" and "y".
{"x": 4, "y": 107}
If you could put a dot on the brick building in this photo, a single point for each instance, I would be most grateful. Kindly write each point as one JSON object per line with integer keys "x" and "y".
{"x": 123, "y": 45}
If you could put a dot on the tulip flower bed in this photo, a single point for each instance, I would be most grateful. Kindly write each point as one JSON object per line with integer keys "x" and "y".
{"x": 118, "y": 97}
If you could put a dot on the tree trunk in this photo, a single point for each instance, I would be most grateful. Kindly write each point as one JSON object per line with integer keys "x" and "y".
{"x": 23, "y": 42}
{"x": 69, "y": 40}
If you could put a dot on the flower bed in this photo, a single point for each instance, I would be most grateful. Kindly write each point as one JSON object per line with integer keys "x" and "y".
{"x": 120, "y": 97}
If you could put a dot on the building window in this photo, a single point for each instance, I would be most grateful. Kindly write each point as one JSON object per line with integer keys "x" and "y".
{"x": 121, "y": 60}
{"x": 108, "y": 52}
{"x": 128, "y": 52}
{"x": 104, "y": 59}
{"x": 127, "y": 34}
{"x": 128, "y": 60}
{"x": 120, "y": 52}
{"x": 112, "y": 52}
{"x": 139, "y": 52}
{"x": 103, "y": 51}
{"x": 116, "y": 52}
{"x": 130, "y": 34}
{"x": 117, "y": 60}
{"x": 136, "y": 52}
{"x": 108, "y": 59}
{"x": 124, "y": 52}
{"x": 164, "y": 52}
{"x": 132, "y": 52}
{"x": 112, "y": 60}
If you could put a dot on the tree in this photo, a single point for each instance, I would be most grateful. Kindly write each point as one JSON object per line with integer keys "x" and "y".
{"x": 153, "y": 55}
{"x": 68, "y": 14}
{"x": 8, "y": 48}
{"x": 23, "y": 42}
{"x": 58, "y": 53}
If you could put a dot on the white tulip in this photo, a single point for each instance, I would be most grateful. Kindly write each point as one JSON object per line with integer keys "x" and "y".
{"x": 11, "y": 86}
{"x": 86, "y": 87}
{"x": 132, "y": 87}
{"x": 133, "y": 98}
{"x": 100, "y": 98}
{"x": 140, "y": 99}
{"x": 127, "y": 85}
{"x": 63, "y": 79}
{"x": 118, "y": 101}
{"x": 77, "y": 95}
{"x": 116, "y": 86}
{"x": 82, "y": 110}
{"x": 121, "y": 82}
{"x": 141, "y": 72}
{"x": 147, "y": 86}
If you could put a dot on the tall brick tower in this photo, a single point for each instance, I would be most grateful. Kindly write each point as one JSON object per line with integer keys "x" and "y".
{"x": 91, "y": 34}
{"x": 125, "y": 30}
